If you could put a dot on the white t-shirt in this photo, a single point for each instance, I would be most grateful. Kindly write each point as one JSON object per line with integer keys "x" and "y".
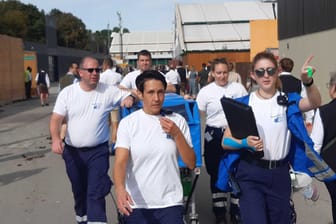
{"x": 110, "y": 77}
{"x": 87, "y": 113}
{"x": 234, "y": 77}
{"x": 208, "y": 100}
{"x": 317, "y": 134}
{"x": 173, "y": 77}
{"x": 152, "y": 176}
{"x": 272, "y": 126}
{"x": 129, "y": 80}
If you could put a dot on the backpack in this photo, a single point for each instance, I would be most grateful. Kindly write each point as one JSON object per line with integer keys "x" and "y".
{"x": 66, "y": 81}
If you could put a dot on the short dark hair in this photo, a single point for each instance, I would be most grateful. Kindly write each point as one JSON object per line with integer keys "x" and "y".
{"x": 149, "y": 75}
{"x": 108, "y": 61}
{"x": 144, "y": 53}
{"x": 286, "y": 64}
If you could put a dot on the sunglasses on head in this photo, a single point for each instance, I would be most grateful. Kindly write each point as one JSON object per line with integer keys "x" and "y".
{"x": 90, "y": 70}
{"x": 261, "y": 71}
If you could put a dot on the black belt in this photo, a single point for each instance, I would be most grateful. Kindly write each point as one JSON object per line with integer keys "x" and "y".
{"x": 85, "y": 148}
{"x": 266, "y": 164}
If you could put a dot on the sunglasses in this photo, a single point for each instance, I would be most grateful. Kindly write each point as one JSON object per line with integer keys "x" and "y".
{"x": 90, "y": 70}
{"x": 261, "y": 71}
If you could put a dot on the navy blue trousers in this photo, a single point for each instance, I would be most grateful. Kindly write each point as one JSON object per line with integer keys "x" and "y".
{"x": 167, "y": 215}
{"x": 88, "y": 174}
{"x": 213, "y": 153}
{"x": 265, "y": 194}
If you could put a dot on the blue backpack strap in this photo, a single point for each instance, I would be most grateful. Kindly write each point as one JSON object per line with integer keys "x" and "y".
{"x": 302, "y": 155}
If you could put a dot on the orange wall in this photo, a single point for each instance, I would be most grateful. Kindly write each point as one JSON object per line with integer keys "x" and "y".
{"x": 197, "y": 58}
{"x": 264, "y": 36}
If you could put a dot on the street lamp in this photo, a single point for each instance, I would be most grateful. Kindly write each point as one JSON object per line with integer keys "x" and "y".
{"x": 108, "y": 38}
{"x": 121, "y": 36}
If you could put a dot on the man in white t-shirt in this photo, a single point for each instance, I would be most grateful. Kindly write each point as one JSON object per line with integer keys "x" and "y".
{"x": 111, "y": 78}
{"x": 173, "y": 77}
{"x": 146, "y": 172}
{"x": 144, "y": 63}
{"x": 85, "y": 106}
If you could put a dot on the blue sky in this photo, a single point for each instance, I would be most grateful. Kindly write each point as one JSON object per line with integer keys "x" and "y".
{"x": 137, "y": 15}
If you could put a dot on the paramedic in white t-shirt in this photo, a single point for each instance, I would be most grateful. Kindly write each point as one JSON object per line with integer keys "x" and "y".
{"x": 111, "y": 78}
{"x": 86, "y": 106}
{"x": 265, "y": 182}
{"x": 208, "y": 101}
{"x": 144, "y": 63}
{"x": 146, "y": 172}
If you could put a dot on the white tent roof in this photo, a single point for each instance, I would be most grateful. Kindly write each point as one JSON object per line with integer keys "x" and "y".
{"x": 160, "y": 44}
{"x": 198, "y": 27}
{"x": 226, "y": 11}
{"x": 217, "y": 26}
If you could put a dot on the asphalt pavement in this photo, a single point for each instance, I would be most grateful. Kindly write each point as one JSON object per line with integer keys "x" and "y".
{"x": 34, "y": 187}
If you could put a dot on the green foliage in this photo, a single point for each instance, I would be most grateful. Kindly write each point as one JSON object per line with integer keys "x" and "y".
{"x": 117, "y": 29}
{"x": 71, "y": 31}
{"x": 20, "y": 20}
{"x": 27, "y": 22}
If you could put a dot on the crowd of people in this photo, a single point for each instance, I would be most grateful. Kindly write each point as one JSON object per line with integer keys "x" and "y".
{"x": 146, "y": 144}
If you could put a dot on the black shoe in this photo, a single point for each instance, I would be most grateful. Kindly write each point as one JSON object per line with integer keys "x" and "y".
{"x": 47, "y": 104}
{"x": 221, "y": 220}
{"x": 235, "y": 219}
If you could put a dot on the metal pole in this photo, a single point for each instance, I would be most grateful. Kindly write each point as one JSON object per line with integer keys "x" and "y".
{"x": 121, "y": 36}
{"x": 108, "y": 38}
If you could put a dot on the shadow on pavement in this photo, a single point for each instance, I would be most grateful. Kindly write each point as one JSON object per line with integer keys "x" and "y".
{"x": 19, "y": 175}
{"x": 27, "y": 155}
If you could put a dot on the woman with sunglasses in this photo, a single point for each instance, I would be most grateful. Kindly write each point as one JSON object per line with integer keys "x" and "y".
{"x": 265, "y": 182}
{"x": 208, "y": 100}
{"x": 324, "y": 133}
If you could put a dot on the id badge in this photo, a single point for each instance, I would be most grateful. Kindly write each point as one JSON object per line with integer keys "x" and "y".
{"x": 208, "y": 137}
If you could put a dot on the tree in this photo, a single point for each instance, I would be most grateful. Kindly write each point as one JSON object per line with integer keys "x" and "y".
{"x": 27, "y": 22}
{"x": 117, "y": 29}
{"x": 20, "y": 20}
{"x": 71, "y": 31}
{"x": 13, "y": 22}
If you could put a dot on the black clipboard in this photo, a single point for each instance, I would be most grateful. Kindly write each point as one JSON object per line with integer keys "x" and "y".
{"x": 240, "y": 118}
